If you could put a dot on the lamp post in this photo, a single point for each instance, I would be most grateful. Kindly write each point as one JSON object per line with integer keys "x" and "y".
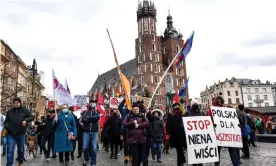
{"x": 170, "y": 96}
{"x": 34, "y": 73}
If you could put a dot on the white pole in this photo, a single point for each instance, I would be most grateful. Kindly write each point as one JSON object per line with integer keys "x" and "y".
{"x": 165, "y": 73}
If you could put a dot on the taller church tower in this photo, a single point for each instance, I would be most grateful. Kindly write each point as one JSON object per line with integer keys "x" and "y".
{"x": 148, "y": 49}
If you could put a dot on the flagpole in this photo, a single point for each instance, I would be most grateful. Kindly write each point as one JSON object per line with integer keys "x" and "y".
{"x": 54, "y": 92}
{"x": 165, "y": 73}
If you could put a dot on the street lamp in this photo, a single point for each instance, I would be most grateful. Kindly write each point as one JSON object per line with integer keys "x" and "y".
{"x": 34, "y": 73}
{"x": 169, "y": 100}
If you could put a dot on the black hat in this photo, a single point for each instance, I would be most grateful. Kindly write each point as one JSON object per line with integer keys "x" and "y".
{"x": 53, "y": 111}
{"x": 17, "y": 99}
{"x": 175, "y": 104}
{"x": 93, "y": 101}
{"x": 134, "y": 104}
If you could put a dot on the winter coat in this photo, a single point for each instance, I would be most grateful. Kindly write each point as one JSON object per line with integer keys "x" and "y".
{"x": 124, "y": 113}
{"x": 62, "y": 143}
{"x": 47, "y": 127}
{"x": 90, "y": 120}
{"x": 150, "y": 117}
{"x": 114, "y": 125}
{"x": 136, "y": 135}
{"x": 157, "y": 126}
{"x": 251, "y": 124}
{"x": 14, "y": 119}
{"x": 175, "y": 129}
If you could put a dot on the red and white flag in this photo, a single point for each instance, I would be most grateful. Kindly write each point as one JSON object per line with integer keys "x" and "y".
{"x": 61, "y": 94}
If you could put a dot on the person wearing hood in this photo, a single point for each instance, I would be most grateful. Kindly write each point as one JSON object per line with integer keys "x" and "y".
{"x": 66, "y": 131}
{"x": 157, "y": 126}
{"x": 90, "y": 120}
{"x": 175, "y": 129}
{"x": 15, "y": 124}
{"x": 124, "y": 111}
{"x": 136, "y": 124}
{"x": 114, "y": 130}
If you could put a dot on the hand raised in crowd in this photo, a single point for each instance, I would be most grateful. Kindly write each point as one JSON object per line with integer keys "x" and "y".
{"x": 135, "y": 122}
{"x": 136, "y": 125}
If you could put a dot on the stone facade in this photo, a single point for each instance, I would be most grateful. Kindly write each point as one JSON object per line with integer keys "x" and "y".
{"x": 153, "y": 55}
{"x": 16, "y": 79}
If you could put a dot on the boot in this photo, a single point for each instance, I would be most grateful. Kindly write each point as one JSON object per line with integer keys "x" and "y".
{"x": 111, "y": 155}
{"x": 66, "y": 163}
{"x": 79, "y": 155}
{"x": 72, "y": 157}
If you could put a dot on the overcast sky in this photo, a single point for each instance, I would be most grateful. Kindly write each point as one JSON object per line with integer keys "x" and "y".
{"x": 232, "y": 37}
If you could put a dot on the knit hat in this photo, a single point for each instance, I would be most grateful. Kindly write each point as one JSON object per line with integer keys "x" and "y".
{"x": 134, "y": 104}
{"x": 194, "y": 101}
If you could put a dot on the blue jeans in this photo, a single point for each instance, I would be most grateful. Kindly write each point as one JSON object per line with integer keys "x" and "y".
{"x": 156, "y": 149}
{"x": 234, "y": 155}
{"x": 90, "y": 142}
{"x": 11, "y": 141}
{"x": 4, "y": 144}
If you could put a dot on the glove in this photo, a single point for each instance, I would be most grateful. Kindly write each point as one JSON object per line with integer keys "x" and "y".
{"x": 135, "y": 121}
{"x": 136, "y": 125}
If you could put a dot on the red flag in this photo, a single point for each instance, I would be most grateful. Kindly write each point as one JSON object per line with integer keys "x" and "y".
{"x": 100, "y": 98}
{"x": 100, "y": 108}
{"x": 175, "y": 98}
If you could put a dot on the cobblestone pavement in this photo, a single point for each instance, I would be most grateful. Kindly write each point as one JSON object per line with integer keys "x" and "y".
{"x": 263, "y": 155}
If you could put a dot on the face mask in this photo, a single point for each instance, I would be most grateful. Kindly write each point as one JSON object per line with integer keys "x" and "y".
{"x": 65, "y": 110}
{"x": 93, "y": 105}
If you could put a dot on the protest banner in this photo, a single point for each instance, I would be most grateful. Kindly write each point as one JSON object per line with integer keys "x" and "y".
{"x": 227, "y": 128}
{"x": 115, "y": 101}
{"x": 201, "y": 140}
{"x": 81, "y": 100}
{"x": 146, "y": 100}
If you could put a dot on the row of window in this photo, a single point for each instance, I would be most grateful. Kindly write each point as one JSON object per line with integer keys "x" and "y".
{"x": 146, "y": 25}
{"x": 258, "y": 104}
{"x": 165, "y": 50}
{"x": 257, "y": 90}
{"x": 153, "y": 57}
{"x": 237, "y": 101}
{"x": 249, "y": 97}
{"x": 236, "y": 92}
{"x": 143, "y": 68}
{"x": 153, "y": 47}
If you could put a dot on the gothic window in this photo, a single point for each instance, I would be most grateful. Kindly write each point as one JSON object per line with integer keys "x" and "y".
{"x": 151, "y": 77}
{"x": 179, "y": 72}
{"x": 142, "y": 80}
{"x": 150, "y": 67}
{"x": 141, "y": 58}
{"x": 140, "y": 39}
{"x": 157, "y": 57}
{"x": 153, "y": 37}
{"x": 146, "y": 24}
{"x": 138, "y": 58}
{"x": 159, "y": 68}
{"x": 164, "y": 50}
{"x": 141, "y": 48}
{"x": 156, "y": 79}
{"x": 177, "y": 48}
{"x": 150, "y": 56}
{"x": 180, "y": 82}
{"x": 155, "y": 68}
{"x": 153, "y": 47}
{"x": 154, "y": 58}
{"x": 145, "y": 68}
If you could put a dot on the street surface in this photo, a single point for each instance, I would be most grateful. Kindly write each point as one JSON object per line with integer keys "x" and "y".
{"x": 263, "y": 155}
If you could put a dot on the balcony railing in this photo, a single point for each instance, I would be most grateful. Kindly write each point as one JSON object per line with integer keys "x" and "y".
{"x": 258, "y": 101}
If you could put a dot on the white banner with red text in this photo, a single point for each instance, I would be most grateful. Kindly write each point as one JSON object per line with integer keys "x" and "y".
{"x": 201, "y": 140}
{"x": 227, "y": 128}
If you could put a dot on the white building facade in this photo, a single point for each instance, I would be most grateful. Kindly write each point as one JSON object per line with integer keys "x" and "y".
{"x": 257, "y": 94}
{"x": 229, "y": 90}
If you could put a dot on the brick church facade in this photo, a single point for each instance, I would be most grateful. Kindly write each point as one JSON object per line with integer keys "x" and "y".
{"x": 153, "y": 55}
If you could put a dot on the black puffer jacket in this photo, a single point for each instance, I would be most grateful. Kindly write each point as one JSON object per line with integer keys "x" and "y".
{"x": 90, "y": 120}
{"x": 157, "y": 126}
{"x": 14, "y": 119}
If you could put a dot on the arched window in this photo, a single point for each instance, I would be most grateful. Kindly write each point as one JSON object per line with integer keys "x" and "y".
{"x": 141, "y": 48}
{"x": 156, "y": 79}
{"x": 142, "y": 80}
{"x": 153, "y": 47}
{"x": 164, "y": 50}
{"x": 152, "y": 37}
{"x": 177, "y": 48}
{"x": 155, "y": 68}
{"x": 154, "y": 57}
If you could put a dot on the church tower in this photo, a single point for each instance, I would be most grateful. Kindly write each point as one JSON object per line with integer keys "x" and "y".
{"x": 148, "y": 49}
{"x": 171, "y": 43}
